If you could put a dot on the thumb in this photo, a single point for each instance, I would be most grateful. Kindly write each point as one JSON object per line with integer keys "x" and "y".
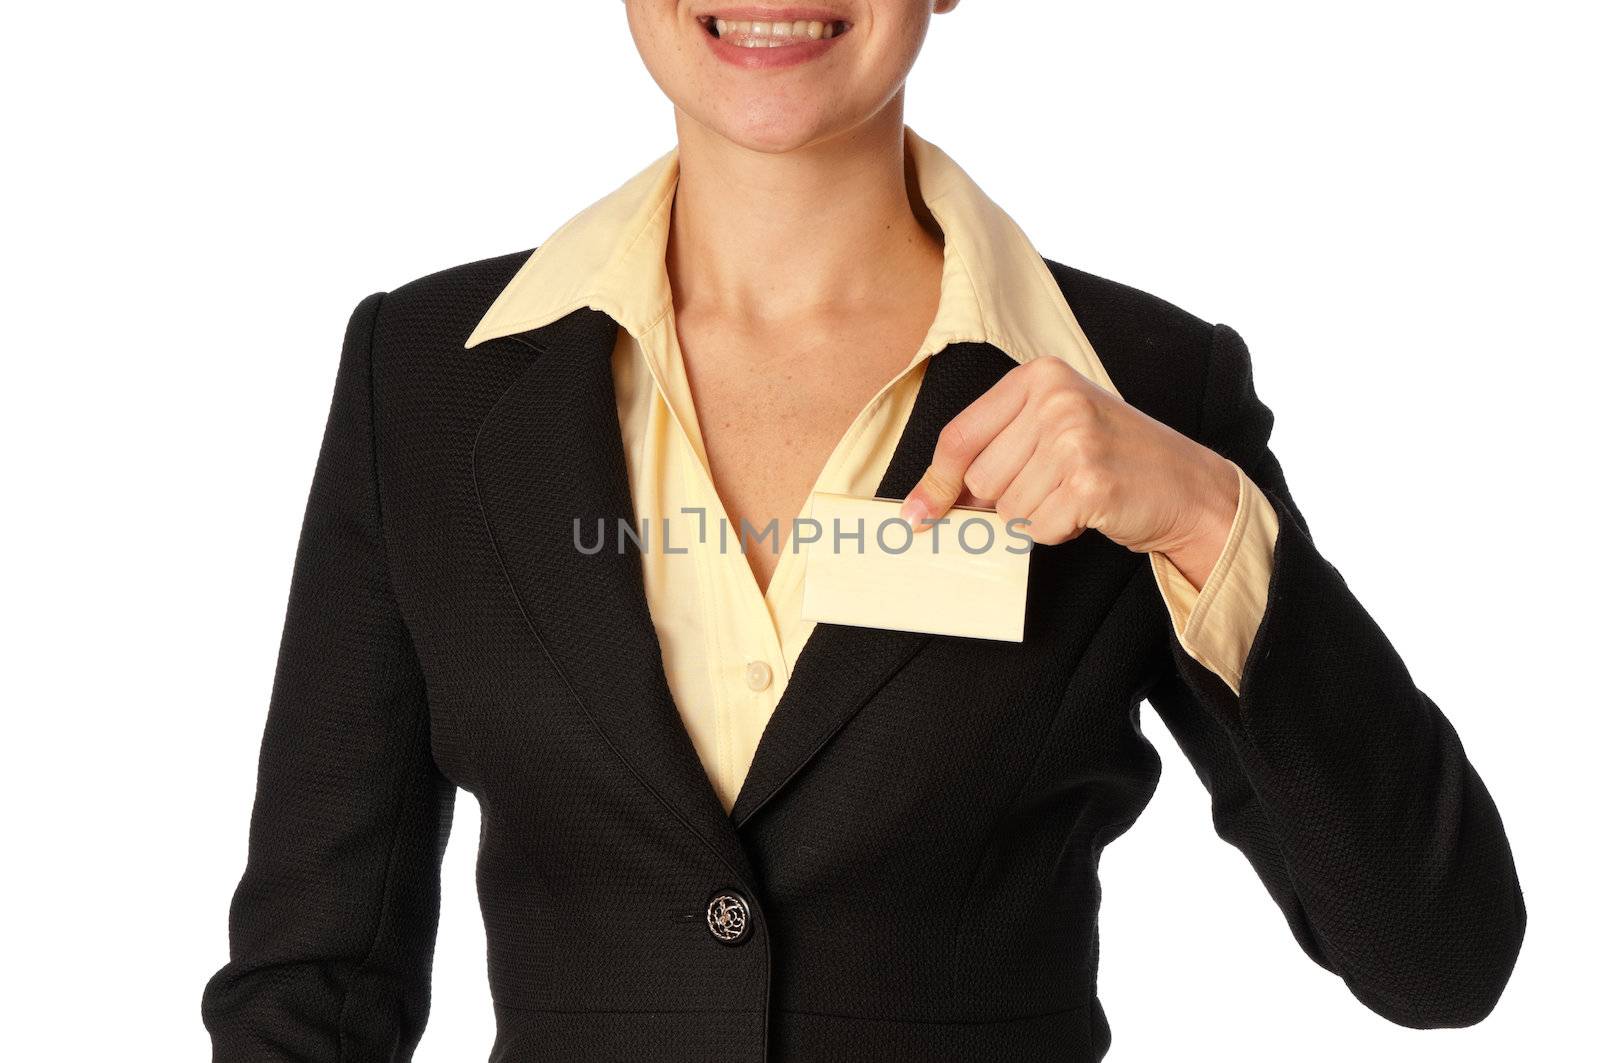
{"x": 960, "y": 442}
{"x": 939, "y": 489}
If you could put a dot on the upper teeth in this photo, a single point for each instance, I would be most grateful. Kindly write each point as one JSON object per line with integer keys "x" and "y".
{"x": 771, "y": 34}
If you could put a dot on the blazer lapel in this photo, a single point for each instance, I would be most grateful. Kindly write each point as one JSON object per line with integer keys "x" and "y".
{"x": 841, "y": 667}
{"x": 550, "y": 453}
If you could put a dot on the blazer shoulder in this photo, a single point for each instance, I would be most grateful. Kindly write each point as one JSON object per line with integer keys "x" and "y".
{"x": 442, "y": 308}
{"x": 1156, "y": 353}
{"x": 427, "y": 387}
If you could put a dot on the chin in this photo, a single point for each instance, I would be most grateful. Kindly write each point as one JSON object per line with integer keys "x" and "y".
{"x": 771, "y": 130}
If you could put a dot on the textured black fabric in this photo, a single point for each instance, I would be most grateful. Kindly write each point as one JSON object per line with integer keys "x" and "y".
{"x": 919, "y": 834}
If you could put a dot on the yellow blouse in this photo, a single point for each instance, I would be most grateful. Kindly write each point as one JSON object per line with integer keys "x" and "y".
{"x": 727, "y": 649}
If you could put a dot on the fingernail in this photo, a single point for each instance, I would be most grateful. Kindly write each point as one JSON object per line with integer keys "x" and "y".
{"x": 915, "y": 511}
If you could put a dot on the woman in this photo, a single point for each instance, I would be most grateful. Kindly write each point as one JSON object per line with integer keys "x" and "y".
{"x": 715, "y": 829}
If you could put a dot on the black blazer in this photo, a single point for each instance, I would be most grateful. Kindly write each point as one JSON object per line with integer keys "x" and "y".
{"x": 909, "y": 873}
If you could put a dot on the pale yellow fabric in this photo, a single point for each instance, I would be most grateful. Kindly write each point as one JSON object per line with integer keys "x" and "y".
{"x": 1217, "y": 623}
{"x": 728, "y": 650}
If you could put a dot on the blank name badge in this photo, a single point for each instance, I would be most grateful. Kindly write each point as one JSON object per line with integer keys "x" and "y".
{"x": 967, "y": 576}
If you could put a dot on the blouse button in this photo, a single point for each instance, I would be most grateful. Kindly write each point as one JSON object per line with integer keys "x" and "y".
{"x": 758, "y": 674}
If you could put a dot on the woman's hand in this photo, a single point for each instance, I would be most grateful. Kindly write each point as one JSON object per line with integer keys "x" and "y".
{"x": 1048, "y": 446}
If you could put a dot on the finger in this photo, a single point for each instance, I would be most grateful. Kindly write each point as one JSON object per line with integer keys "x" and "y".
{"x": 1057, "y": 519}
{"x": 1029, "y": 488}
{"x": 991, "y": 473}
{"x": 972, "y": 501}
{"x": 960, "y": 443}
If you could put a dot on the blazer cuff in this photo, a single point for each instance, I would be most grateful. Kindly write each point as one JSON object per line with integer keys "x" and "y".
{"x": 1216, "y": 623}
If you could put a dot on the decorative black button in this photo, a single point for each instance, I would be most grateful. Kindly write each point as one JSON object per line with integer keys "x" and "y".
{"x": 728, "y": 916}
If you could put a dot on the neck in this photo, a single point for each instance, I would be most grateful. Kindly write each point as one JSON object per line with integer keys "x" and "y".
{"x": 762, "y": 237}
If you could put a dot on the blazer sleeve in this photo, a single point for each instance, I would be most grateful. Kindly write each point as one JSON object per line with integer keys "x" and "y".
{"x": 331, "y": 929}
{"x": 1342, "y": 783}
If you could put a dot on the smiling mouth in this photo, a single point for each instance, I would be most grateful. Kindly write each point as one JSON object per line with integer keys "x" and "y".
{"x": 744, "y": 33}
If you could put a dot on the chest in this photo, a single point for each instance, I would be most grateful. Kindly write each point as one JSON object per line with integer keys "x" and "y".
{"x": 773, "y": 405}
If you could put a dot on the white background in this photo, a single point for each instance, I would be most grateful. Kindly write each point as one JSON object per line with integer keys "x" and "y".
{"x": 1393, "y": 202}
